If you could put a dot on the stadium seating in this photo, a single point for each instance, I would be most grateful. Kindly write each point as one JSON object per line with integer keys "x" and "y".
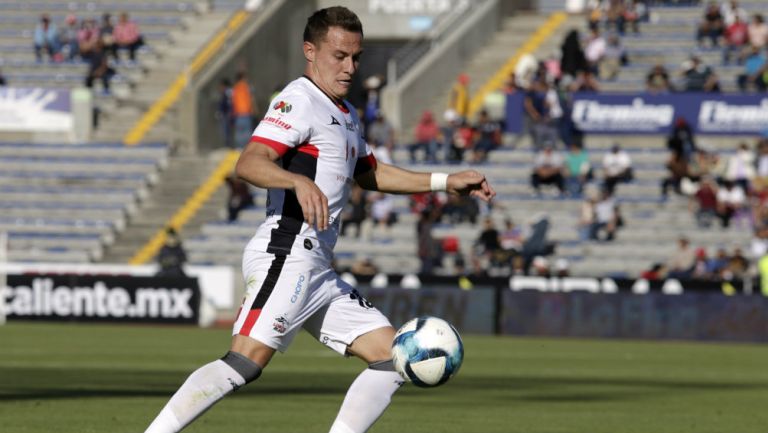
{"x": 66, "y": 203}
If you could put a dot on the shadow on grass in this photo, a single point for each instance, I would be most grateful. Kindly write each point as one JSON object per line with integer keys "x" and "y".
{"x": 43, "y": 384}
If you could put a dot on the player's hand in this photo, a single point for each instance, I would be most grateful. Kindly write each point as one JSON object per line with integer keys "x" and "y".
{"x": 471, "y": 183}
{"x": 314, "y": 204}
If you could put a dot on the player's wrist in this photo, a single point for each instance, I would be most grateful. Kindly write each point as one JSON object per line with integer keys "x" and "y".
{"x": 438, "y": 182}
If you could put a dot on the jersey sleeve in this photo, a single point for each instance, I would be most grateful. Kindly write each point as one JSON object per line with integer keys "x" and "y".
{"x": 366, "y": 160}
{"x": 286, "y": 124}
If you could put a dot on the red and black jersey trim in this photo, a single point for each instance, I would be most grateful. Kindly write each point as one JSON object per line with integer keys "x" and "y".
{"x": 270, "y": 281}
{"x": 291, "y": 217}
{"x": 280, "y": 148}
{"x": 365, "y": 164}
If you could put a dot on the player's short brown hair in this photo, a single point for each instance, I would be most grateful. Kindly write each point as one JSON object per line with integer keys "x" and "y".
{"x": 336, "y": 16}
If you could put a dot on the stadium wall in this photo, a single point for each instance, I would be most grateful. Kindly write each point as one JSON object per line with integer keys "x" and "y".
{"x": 267, "y": 48}
{"x": 411, "y": 94}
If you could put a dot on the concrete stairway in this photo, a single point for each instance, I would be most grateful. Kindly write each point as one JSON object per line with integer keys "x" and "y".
{"x": 483, "y": 65}
{"x": 176, "y": 184}
{"x": 121, "y": 114}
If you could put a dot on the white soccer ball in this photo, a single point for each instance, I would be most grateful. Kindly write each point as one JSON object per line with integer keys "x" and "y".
{"x": 427, "y": 351}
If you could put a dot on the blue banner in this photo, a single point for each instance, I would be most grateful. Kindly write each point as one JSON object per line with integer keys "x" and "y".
{"x": 639, "y": 113}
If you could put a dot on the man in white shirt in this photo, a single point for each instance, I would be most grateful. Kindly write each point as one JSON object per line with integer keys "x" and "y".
{"x": 617, "y": 167}
{"x": 308, "y": 151}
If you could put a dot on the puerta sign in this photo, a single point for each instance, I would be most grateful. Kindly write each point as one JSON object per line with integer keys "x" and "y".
{"x": 101, "y": 298}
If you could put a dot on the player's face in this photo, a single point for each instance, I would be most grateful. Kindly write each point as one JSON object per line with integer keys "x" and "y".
{"x": 334, "y": 60}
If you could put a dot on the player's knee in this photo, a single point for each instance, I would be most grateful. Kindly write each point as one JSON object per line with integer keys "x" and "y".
{"x": 246, "y": 368}
{"x": 385, "y": 365}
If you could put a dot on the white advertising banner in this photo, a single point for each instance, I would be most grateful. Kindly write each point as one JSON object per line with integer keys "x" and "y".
{"x": 35, "y": 110}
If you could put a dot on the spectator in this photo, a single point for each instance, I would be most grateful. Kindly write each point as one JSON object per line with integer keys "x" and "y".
{"x": 741, "y": 167}
{"x": 426, "y": 135}
{"x": 382, "y": 210}
{"x": 656, "y": 272}
{"x": 107, "y": 34}
{"x": 459, "y": 101}
{"x": 372, "y": 85}
{"x": 487, "y": 243}
{"x": 731, "y": 11}
{"x": 380, "y": 132}
{"x": 635, "y": 12}
{"x": 615, "y": 15}
{"x": 459, "y": 209}
{"x": 700, "y": 269}
{"x": 548, "y": 169}
{"x": 681, "y": 262}
{"x": 536, "y": 244}
{"x": 657, "y": 80}
{"x": 594, "y": 52}
{"x": 617, "y": 168}
{"x": 730, "y": 200}
{"x": 712, "y": 26}
{"x": 99, "y": 68}
{"x": 68, "y": 38}
{"x": 699, "y": 77}
{"x": 511, "y": 238}
{"x": 488, "y": 137}
{"x": 87, "y": 38}
{"x": 681, "y": 139}
{"x": 677, "y": 167}
{"x": 758, "y": 31}
{"x": 577, "y": 170}
{"x": 46, "y": 38}
{"x": 540, "y": 267}
{"x": 585, "y": 81}
{"x": 562, "y": 268}
{"x": 704, "y": 203}
{"x": 447, "y": 136}
{"x": 761, "y": 160}
{"x": 606, "y": 218}
{"x": 587, "y": 216}
{"x": 463, "y": 138}
{"x": 127, "y": 36}
{"x": 171, "y": 257}
{"x": 572, "y": 60}
{"x": 719, "y": 263}
{"x": 224, "y": 111}
{"x": 755, "y": 68}
{"x": 428, "y": 248}
{"x": 242, "y": 110}
{"x": 537, "y": 112}
{"x": 365, "y": 267}
{"x": 615, "y": 57}
{"x": 239, "y": 197}
{"x": 356, "y": 211}
{"x": 736, "y": 38}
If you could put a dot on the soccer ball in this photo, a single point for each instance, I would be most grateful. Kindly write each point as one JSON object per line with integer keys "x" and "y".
{"x": 427, "y": 351}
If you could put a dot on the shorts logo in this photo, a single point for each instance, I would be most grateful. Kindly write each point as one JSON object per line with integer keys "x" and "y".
{"x": 283, "y": 106}
{"x": 355, "y": 295}
{"x": 308, "y": 244}
{"x": 280, "y": 325}
{"x": 297, "y": 290}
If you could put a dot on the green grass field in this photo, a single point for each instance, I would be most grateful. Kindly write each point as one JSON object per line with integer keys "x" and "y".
{"x": 111, "y": 379}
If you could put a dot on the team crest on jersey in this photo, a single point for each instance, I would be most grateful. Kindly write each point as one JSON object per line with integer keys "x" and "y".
{"x": 283, "y": 106}
{"x": 280, "y": 325}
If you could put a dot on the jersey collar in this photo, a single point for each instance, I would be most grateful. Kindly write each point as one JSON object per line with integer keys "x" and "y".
{"x": 337, "y": 102}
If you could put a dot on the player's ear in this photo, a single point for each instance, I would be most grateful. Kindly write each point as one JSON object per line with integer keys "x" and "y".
{"x": 309, "y": 51}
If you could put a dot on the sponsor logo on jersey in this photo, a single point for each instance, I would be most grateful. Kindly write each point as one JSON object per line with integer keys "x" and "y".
{"x": 278, "y": 122}
{"x": 283, "y": 106}
{"x": 334, "y": 121}
{"x": 280, "y": 325}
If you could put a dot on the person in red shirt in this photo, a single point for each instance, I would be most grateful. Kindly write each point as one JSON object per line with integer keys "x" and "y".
{"x": 736, "y": 38}
{"x": 426, "y": 138}
{"x": 127, "y": 36}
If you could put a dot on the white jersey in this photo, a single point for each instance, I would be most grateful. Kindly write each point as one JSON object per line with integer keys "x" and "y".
{"x": 321, "y": 139}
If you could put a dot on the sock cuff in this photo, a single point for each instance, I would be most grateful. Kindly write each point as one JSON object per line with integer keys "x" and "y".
{"x": 243, "y": 365}
{"x": 385, "y": 365}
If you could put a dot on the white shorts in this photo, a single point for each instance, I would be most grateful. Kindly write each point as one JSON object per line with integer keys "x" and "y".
{"x": 286, "y": 293}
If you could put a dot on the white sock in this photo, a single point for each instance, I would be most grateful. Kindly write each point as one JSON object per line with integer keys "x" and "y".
{"x": 204, "y": 387}
{"x": 366, "y": 400}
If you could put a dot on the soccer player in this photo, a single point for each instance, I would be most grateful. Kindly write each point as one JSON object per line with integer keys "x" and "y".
{"x": 307, "y": 151}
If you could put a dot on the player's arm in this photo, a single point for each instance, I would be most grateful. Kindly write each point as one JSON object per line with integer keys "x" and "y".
{"x": 391, "y": 179}
{"x": 257, "y": 166}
